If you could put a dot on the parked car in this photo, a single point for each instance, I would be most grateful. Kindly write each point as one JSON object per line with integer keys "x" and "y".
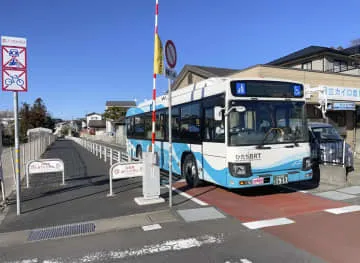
{"x": 327, "y": 145}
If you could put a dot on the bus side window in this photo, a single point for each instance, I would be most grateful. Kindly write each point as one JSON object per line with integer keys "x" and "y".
{"x": 130, "y": 123}
{"x": 190, "y": 122}
{"x": 148, "y": 126}
{"x": 160, "y": 125}
{"x": 175, "y": 122}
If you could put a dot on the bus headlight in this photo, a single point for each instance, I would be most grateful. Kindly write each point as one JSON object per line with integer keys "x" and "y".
{"x": 306, "y": 164}
{"x": 240, "y": 169}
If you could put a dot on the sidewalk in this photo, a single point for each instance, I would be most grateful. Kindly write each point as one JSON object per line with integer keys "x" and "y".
{"x": 83, "y": 198}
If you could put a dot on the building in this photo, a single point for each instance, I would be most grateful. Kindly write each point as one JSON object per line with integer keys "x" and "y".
{"x": 120, "y": 104}
{"x": 324, "y": 59}
{"x": 121, "y": 107}
{"x": 92, "y": 117}
{"x": 192, "y": 74}
{"x": 97, "y": 127}
{"x": 6, "y": 118}
{"x": 335, "y": 86}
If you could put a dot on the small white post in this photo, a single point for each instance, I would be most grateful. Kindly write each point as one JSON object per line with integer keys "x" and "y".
{"x": 3, "y": 191}
{"x": 344, "y": 152}
{"x": 110, "y": 184}
{"x": 111, "y": 156}
{"x": 63, "y": 177}
{"x": 27, "y": 175}
{"x": 100, "y": 151}
{"x": 105, "y": 152}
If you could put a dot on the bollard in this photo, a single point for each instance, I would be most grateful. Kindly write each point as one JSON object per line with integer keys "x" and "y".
{"x": 111, "y": 156}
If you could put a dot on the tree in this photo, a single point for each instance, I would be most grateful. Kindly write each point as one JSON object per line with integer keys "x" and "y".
{"x": 33, "y": 117}
{"x": 25, "y": 124}
{"x": 65, "y": 130}
{"x": 114, "y": 113}
{"x": 38, "y": 113}
{"x": 355, "y": 42}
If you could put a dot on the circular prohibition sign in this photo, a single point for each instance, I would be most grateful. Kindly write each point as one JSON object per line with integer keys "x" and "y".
{"x": 170, "y": 54}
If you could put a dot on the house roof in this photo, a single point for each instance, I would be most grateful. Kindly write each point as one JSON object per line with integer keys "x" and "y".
{"x": 306, "y": 52}
{"x": 93, "y": 113}
{"x": 120, "y": 120}
{"x": 353, "y": 50}
{"x": 6, "y": 114}
{"x": 203, "y": 71}
{"x": 97, "y": 124}
{"x": 120, "y": 103}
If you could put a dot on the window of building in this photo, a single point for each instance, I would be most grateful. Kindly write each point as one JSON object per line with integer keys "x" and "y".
{"x": 306, "y": 66}
{"x": 339, "y": 66}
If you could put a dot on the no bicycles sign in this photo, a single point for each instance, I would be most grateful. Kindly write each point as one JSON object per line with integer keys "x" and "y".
{"x": 14, "y": 64}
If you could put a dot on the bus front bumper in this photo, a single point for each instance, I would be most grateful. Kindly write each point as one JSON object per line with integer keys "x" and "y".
{"x": 271, "y": 178}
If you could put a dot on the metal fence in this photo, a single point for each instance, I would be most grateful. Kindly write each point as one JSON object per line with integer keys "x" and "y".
{"x": 104, "y": 152}
{"x": 333, "y": 152}
{"x": 28, "y": 151}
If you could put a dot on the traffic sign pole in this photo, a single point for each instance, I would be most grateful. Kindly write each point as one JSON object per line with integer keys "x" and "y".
{"x": 170, "y": 145}
{"x": 17, "y": 153}
{"x": 14, "y": 78}
{"x": 171, "y": 59}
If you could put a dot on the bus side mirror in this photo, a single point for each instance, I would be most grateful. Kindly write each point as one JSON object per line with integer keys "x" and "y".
{"x": 218, "y": 113}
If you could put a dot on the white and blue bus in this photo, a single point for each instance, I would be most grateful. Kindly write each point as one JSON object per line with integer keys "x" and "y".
{"x": 235, "y": 133}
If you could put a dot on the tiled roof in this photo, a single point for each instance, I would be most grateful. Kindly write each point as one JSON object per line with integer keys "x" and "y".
{"x": 306, "y": 52}
{"x": 120, "y": 103}
{"x": 97, "y": 124}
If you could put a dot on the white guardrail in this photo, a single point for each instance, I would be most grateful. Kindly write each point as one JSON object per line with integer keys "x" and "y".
{"x": 108, "y": 154}
{"x": 28, "y": 151}
{"x": 126, "y": 166}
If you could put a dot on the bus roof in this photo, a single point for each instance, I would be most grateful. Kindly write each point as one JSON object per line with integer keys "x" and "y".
{"x": 193, "y": 92}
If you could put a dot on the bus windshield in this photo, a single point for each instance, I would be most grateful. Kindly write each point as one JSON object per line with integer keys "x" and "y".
{"x": 267, "y": 122}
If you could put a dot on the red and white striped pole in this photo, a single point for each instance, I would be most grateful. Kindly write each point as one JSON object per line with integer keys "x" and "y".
{"x": 154, "y": 83}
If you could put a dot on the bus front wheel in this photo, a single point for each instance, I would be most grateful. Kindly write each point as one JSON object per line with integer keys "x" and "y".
{"x": 190, "y": 172}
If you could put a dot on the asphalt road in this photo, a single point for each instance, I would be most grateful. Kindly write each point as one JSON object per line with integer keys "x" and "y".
{"x": 221, "y": 240}
{"x": 304, "y": 230}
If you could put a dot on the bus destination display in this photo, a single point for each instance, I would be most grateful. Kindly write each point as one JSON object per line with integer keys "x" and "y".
{"x": 266, "y": 89}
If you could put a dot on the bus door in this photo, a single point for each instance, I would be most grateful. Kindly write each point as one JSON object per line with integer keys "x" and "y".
{"x": 214, "y": 148}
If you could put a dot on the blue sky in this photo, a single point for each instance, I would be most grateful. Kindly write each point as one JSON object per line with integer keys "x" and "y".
{"x": 84, "y": 52}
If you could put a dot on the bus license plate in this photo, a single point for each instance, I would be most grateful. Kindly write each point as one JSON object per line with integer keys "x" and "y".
{"x": 281, "y": 179}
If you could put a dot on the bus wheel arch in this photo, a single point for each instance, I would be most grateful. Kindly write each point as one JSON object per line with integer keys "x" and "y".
{"x": 189, "y": 169}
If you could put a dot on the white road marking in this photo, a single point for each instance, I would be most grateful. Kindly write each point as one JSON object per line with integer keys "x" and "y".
{"x": 166, "y": 246}
{"x": 268, "y": 223}
{"x": 198, "y": 201}
{"x": 151, "y": 227}
{"x": 343, "y": 210}
{"x": 243, "y": 260}
{"x": 303, "y": 191}
{"x": 293, "y": 189}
